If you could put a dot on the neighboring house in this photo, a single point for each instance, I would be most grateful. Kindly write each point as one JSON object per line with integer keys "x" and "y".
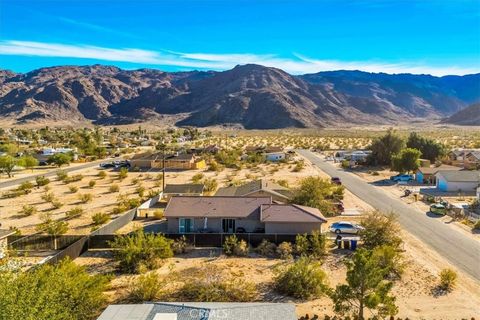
{"x": 3, "y": 240}
{"x": 188, "y": 189}
{"x": 182, "y": 161}
{"x": 275, "y": 156}
{"x": 352, "y": 155}
{"x": 257, "y": 188}
{"x": 200, "y": 311}
{"x": 239, "y": 214}
{"x": 457, "y": 181}
{"x": 426, "y": 175}
{"x": 465, "y": 158}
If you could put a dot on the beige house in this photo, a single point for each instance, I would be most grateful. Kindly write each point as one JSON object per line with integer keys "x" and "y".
{"x": 257, "y": 188}
{"x": 239, "y": 215}
{"x": 3, "y": 241}
{"x": 183, "y": 161}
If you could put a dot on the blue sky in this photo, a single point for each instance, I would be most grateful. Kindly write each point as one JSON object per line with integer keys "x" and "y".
{"x": 425, "y": 36}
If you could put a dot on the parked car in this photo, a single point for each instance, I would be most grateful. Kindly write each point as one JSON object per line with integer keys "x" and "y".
{"x": 336, "y": 180}
{"x": 402, "y": 178}
{"x": 438, "y": 208}
{"x": 345, "y": 227}
{"x": 107, "y": 165}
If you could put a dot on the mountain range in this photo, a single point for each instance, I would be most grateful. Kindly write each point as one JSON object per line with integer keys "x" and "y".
{"x": 248, "y": 96}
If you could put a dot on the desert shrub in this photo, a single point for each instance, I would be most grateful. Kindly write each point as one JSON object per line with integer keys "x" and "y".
{"x": 61, "y": 175}
{"x": 345, "y": 164}
{"x": 158, "y": 214}
{"x": 198, "y": 177}
{"x": 52, "y": 292}
{"x": 141, "y": 250}
{"x": 52, "y": 227}
{"x": 390, "y": 259}
{"x": 47, "y": 197}
{"x": 380, "y": 230}
{"x": 180, "y": 245}
{"x": 283, "y": 183}
{"x": 299, "y": 166}
{"x": 74, "y": 178}
{"x": 234, "y": 247}
{"x": 74, "y": 212}
{"x": 57, "y": 204}
{"x": 85, "y": 197}
{"x": 304, "y": 279}
{"x": 100, "y": 218}
{"x": 113, "y": 188}
{"x": 210, "y": 185}
{"x": 313, "y": 245}
{"x": 148, "y": 287}
{"x": 102, "y": 174}
{"x": 135, "y": 181}
{"x": 266, "y": 248}
{"x": 28, "y": 210}
{"x": 285, "y": 250}
{"x": 448, "y": 279}
{"x": 123, "y": 173}
{"x": 476, "y": 226}
{"x": 208, "y": 285}
{"x": 92, "y": 183}
{"x": 73, "y": 189}
{"x": 25, "y": 186}
{"x": 41, "y": 181}
{"x": 140, "y": 191}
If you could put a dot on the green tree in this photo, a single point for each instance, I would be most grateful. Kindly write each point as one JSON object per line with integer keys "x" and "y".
{"x": 60, "y": 159}
{"x": 141, "y": 250}
{"x": 379, "y": 230}
{"x": 7, "y": 164}
{"x": 407, "y": 160}
{"x": 385, "y": 147}
{"x": 52, "y": 292}
{"x": 365, "y": 288}
{"x": 318, "y": 193}
{"x": 429, "y": 148}
{"x": 28, "y": 162}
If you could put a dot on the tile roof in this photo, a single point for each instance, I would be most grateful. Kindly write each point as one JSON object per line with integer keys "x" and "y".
{"x": 461, "y": 176}
{"x": 202, "y": 311}
{"x": 183, "y": 188}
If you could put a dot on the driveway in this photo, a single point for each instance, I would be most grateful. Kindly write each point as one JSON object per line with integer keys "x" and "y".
{"x": 459, "y": 249}
{"x": 16, "y": 181}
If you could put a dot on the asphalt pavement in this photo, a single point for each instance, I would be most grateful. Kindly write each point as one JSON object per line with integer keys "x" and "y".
{"x": 458, "y": 248}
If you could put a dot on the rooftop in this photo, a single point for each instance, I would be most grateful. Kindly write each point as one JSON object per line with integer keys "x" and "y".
{"x": 200, "y": 311}
{"x": 433, "y": 170}
{"x": 254, "y": 186}
{"x": 461, "y": 176}
{"x": 183, "y": 188}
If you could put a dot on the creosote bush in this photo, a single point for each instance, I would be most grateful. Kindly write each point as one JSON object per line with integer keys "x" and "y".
{"x": 141, "y": 251}
{"x": 234, "y": 247}
{"x": 28, "y": 210}
{"x": 266, "y": 249}
{"x": 113, "y": 188}
{"x": 303, "y": 279}
{"x": 448, "y": 279}
{"x": 148, "y": 287}
{"x": 285, "y": 250}
{"x": 100, "y": 218}
{"x": 85, "y": 197}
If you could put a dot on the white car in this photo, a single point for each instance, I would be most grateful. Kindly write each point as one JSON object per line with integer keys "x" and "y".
{"x": 345, "y": 227}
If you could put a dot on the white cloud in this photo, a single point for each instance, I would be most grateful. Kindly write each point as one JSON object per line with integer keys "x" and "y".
{"x": 297, "y": 65}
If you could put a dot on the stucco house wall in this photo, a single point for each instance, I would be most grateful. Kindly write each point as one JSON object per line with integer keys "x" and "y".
{"x": 214, "y": 224}
{"x": 291, "y": 228}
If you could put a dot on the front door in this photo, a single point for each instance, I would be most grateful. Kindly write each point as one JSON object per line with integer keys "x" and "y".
{"x": 228, "y": 225}
{"x": 185, "y": 225}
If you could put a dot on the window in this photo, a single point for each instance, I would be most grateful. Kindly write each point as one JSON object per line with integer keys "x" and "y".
{"x": 185, "y": 225}
{"x": 228, "y": 225}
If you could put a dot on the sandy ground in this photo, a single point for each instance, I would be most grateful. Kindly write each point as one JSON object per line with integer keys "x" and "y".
{"x": 104, "y": 201}
{"x": 414, "y": 291}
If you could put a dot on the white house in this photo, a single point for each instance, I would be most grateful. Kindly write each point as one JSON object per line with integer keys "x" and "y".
{"x": 458, "y": 181}
{"x": 275, "y": 156}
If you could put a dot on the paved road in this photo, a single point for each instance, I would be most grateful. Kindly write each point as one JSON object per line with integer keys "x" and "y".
{"x": 16, "y": 181}
{"x": 460, "y": 249}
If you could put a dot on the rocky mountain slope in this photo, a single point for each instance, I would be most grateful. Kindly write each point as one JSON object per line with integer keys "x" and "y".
{"x": 469, "y": 116}
{"x": 251, "y": 96}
